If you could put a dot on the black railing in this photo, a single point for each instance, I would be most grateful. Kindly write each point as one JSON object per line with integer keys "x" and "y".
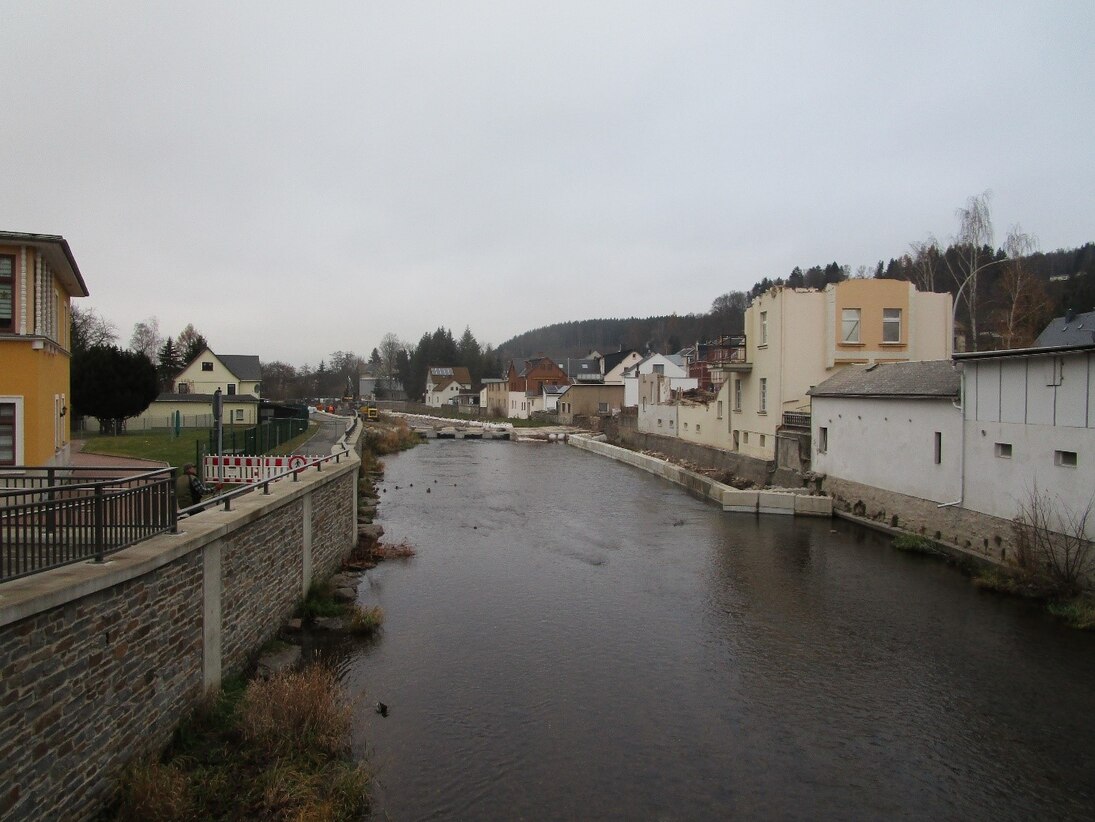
{"x": 84, "y": 514}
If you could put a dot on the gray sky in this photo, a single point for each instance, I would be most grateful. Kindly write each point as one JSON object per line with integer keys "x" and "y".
{"x": 299, "y": 178}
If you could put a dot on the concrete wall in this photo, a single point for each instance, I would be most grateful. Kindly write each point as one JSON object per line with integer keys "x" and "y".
{"x": 98, "y": 663}
{"x": 890, "y": 444}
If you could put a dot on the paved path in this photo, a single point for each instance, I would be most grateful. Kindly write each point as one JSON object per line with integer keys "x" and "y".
{"x": 81, "y": 460}
{"x": 331, "y": 429}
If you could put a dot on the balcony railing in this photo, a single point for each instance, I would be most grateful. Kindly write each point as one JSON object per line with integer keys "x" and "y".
{"x": 797, "y": 419}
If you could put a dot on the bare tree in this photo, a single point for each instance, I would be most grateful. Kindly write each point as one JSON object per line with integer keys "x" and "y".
{"x": 390, "y": 346}
{"x": 147, "y": 339}
{"x": 973, "y": 240}
{"x": 1052, "y": 540}
{"x": 89, "y": 329}
{"x": 925, "y": 262}
{"x": 1024, "y": 304}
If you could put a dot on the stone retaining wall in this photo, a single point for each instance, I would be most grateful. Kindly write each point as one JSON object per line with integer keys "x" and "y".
{"x": 99, "y": 662}
{"x": 731, "y": 499}
{"x": 737, "y": 464}
{"x": 979, "y": 534}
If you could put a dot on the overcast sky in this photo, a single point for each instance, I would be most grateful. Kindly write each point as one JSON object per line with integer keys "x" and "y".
{"x": 300, "y": 178}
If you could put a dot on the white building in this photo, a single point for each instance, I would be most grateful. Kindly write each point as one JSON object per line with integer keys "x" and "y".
{"x": 896, "y": 426}
{"x": 1029, "y": 423}
{"x": 670, "y": 366}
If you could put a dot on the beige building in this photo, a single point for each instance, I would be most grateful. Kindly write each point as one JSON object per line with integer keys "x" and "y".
{"x": 797, "y": 338}
{"x": 589, "y": 401}
{"x": 494, "y": 397}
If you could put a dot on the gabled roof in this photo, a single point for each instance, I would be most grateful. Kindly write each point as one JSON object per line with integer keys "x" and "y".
{"x": 615, "y": 358}
{"x": 445, "y": 383}
{"x": 932, "y": 379}
{"x": 1071, "y": 329}
{"x": 586, "y": 369}
{"x": 535, "y": 362}
{"x": 56, "y": 252}
{"x": 244, "y": 366}
{"x": 456, "y": 372}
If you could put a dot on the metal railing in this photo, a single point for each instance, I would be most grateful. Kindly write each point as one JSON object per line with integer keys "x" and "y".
{"x": 50, "y": 517}
{"x": 84, "y": 514}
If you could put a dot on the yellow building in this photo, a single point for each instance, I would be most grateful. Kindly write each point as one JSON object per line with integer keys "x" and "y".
{"x": 38, "y": 277}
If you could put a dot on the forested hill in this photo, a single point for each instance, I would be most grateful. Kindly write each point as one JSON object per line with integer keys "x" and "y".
{"x": 1033, "y": 289}
{"x": 578, "y": 337}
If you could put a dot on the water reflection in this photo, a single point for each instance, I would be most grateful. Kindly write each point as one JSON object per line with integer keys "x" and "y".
{"x": 576, "y": 639}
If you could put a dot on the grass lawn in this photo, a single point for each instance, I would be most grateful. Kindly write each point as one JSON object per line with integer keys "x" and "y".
{"x": 164, "y": 446}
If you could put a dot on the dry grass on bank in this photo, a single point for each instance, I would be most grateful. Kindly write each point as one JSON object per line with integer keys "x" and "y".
{"x": 275, "y": 750}
{"x": 387, "y": 550}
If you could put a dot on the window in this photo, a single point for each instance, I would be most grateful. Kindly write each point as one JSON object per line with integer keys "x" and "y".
{"x": 849, "y": 321}
{"x": 745, "y": 437}
{"x": 822, "y": 440}
{"x": 207, "y": 366}
{"x": 602, "y": 408}
{"x": 7, "y": 290}
{"x": 763, "y": 395}
{"x": 737, "y": 394}
{"x": 659, "y": 368}
{"x": 1003, "y": 450}
{"x": 239, "y": 413}
{"x": 697, "y": 428}
{"x": 1065, "y": 458}
{"x": 671, "y": 423}
{"x": 686, "y": 426}
{"x": 183, "y": 388}
{"x": 719, "y": 407}
{"x": 7, "y": 433}
{"x": 231, "y": 388}
{"x": 763, "y": 328}
{"x": 659, "y": 422}
{"x": 737, "y": 438}
{"x": 762, "y": 440}
{"x": 938, "y": 447}
{"x": 891, "y": 325}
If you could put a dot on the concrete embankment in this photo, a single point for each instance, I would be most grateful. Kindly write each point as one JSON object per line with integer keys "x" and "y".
{"x": 730, "y": 498}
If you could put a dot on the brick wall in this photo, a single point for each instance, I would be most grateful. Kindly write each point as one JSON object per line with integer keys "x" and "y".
{"x": 98, "y": 663}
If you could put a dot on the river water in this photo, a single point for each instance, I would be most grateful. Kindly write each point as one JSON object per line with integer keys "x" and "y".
{"x": 576, "y": 639}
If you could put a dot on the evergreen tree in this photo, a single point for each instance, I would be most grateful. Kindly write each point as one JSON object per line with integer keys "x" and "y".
{"x": 112, "y": 385}
{"x": 170, "y": 364}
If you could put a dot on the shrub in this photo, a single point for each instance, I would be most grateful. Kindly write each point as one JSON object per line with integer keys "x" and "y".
{"x": 1051, "y": 541}
{"x": 295, "y": 710}
{"x": 152, "y": 792}
{"x": 1078, "y": 612}
{"x": 365, "y": 621}
{"x": 915, "y": 544}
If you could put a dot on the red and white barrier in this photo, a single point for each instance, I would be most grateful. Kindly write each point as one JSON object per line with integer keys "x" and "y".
{"x": 249, "y": 469}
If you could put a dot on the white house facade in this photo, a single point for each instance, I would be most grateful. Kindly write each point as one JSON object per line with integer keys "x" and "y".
{"x": 1029, "y": 422}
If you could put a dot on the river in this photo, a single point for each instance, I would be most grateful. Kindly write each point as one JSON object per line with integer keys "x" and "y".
{"x": 576, "y": 639}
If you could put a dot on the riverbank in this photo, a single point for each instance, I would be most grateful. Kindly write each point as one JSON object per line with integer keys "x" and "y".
{"x": 275, "y": 742}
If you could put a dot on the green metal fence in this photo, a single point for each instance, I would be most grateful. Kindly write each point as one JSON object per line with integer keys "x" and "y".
{"x": 258, "y": 439}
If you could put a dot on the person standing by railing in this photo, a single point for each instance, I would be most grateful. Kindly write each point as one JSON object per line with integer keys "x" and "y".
{"x": 189, "y": 489}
